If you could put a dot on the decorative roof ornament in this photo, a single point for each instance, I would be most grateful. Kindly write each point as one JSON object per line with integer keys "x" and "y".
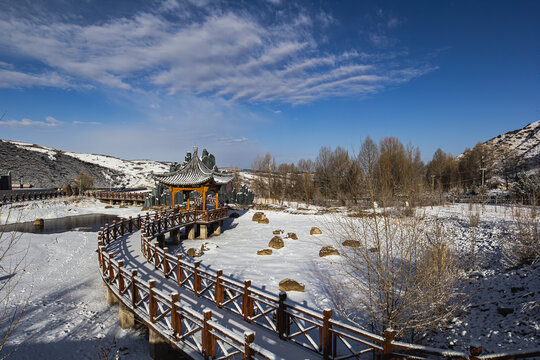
{"x": 194, "y": 172}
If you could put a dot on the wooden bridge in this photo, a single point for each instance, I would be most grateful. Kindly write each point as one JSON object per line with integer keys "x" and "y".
{"x": 179, "y": 308}
{"x": 122, "y": 197}
{"x": 28, "y": 195}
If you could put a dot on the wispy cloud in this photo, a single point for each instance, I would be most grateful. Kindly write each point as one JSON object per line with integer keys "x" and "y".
{"x": 222, "y": 53}
{"x": 49, "y": 122}
{"x": 76, "y": 122}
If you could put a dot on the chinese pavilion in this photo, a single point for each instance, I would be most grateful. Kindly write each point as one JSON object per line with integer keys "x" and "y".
{"x": 194, "y": 176}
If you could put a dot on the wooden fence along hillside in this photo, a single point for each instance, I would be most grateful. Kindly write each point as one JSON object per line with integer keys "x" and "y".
{"x": 188, "y": 329}
{"x": 19, "y": 196}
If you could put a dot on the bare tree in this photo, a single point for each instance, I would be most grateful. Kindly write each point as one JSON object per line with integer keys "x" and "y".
{"x": 397, "y": 272}
{"x": 12, "y": 266}
{"x": 83, "y": 182}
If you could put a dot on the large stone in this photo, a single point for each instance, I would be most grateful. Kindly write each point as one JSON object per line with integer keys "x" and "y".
{"x": 277, "y": 232}
{"x": 352, "y": 243}
{"x": 328, "y": 250}
{"x": 315, "y": 231}
{"x": 39, "y": 223}
{"x": 291, "y": 285}
{"x": 291, "y": 236}
{"x": 276, "y": 242}
{"x": 264, "y": 252}
{"x": 192, "y": 252}
{"x": 258, "y": 216}
{"x": 264, "y": 221}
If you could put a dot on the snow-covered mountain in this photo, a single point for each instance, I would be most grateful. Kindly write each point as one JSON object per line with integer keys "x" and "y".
{"x": 48, "y": 167}
{"x": 523, "y": 143}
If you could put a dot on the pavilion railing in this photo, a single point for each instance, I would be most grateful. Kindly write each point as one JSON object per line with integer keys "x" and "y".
{"x": 308, "y": 328}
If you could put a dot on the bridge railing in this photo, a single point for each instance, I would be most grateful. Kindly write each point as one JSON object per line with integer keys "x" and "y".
{"x": 14, "y": 198}
{"x": 310, "y": 329}
{"x": 119, "y": 196}
{"x": 180, "y": 324}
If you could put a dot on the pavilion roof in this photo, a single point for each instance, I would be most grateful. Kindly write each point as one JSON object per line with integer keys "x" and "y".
{"x": 195, "y": 172}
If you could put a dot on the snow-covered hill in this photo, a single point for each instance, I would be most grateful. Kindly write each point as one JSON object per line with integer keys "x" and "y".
{"x": 48, "y": 167}
{"x": 523, "y": 143}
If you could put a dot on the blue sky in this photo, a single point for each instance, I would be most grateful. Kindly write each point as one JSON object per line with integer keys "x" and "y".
{"x": 150, "y": 79}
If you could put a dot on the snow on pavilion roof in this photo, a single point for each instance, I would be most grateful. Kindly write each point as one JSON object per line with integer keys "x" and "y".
{"x": 195, "y": 172}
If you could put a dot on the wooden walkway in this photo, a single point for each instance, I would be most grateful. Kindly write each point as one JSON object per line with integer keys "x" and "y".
{"x": 209, "y": 315}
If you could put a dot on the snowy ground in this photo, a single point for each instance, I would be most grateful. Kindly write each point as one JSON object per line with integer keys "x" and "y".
{"x": 67, "y": 321}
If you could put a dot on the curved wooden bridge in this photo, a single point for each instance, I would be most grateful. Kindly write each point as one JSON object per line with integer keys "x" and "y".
{"x": 179, "y": 308}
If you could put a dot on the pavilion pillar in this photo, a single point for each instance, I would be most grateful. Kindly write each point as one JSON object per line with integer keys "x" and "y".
{"x": 204, "y": 199}
{"x": 188, "y": 200}
{"x": 217, "y": 202}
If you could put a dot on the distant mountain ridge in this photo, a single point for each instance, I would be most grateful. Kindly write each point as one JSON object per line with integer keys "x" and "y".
{"x": 47, "y": 167}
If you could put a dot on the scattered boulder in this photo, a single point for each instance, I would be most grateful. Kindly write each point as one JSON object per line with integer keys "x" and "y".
{"x": 277, "y": 232}
{"x": 192, "y": 252}
{"x": 264, "y": 252}
{"x": 351, "y": 243}
{"x": 327, "y": 251}
{"x": 234, "y": 215}
{"x": 108, "y": 206}
{"x": 291, "y": 285}
{"x": 204, "y": 248}
{"x": 276, "y": 242}
{"x": 505, "y": 310}
{"x": 291, "y": 236}
{"x": 122, "y": 206}
{"x": 315, "y": 231}
{"x": 39, "y": 223}
{"x": 264, "y": 221}
{"x": 258, "y": 216}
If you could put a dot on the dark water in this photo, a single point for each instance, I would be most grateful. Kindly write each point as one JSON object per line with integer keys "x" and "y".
{"x": 90, "y": 222}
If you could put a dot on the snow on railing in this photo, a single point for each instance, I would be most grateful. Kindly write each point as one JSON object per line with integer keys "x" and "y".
{"x": 308, "y": 328}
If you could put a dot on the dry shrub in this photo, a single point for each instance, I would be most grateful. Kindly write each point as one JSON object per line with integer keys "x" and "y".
{"x": 402, "y": 276}
{"x": 522, "y": 245}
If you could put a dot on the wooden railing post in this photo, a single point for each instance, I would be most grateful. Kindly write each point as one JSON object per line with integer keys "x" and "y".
{"x": 107, "y": 234}
{"x": 208, "y": 341}
{"x": 156, "y": 255}
{"x": 249, "y": 337}
{"x": 134, "y": 289}
{"x": 197, "y": 278}
{"x": 165, "y": 262}
{"x": 120, "y": 277}
{"x": 139, "y": 221}
{"x": 114, "y": 229}
{"x": 122, "y": 227}
{"x": 176, "y": 322}
{"x": 179, "y": 271}
{"x": 130, "y": 226}
{"x": 326, "y": 334}
{"x": 388, "y": 348}
{"x": 152, "y": 301}
{"x": 475, "y": 350}
{"x": 247, "y": 301}
{"x": 282, "y": 318}
{"x": 111, "y": 273}
{"x": 219, "y": 290}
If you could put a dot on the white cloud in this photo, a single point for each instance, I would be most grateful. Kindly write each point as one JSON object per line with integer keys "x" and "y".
{"x": 15, "y": 79}
{"x": 49, "y": 122}
{"x": 76, "y": 122}
{"x": 223, "y": 53}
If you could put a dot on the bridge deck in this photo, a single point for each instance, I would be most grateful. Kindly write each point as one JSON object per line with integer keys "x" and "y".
{"x": 129, "y": 251}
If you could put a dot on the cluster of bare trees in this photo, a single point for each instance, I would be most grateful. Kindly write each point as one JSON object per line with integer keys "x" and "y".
{"x": 377, "y": 172}
{"x": 385, "y": 171}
